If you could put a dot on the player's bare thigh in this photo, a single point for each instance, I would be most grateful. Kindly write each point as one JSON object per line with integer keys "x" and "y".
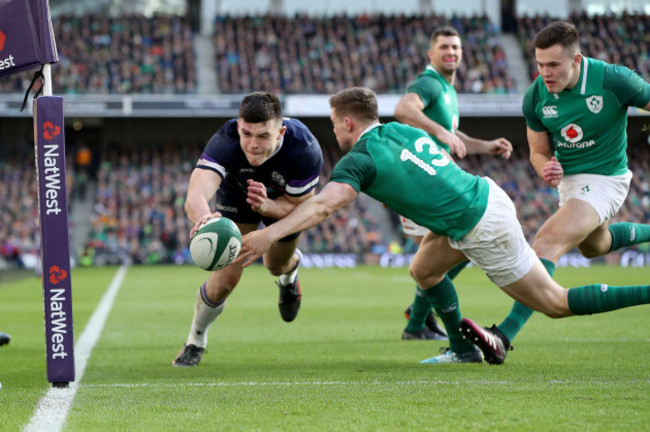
{"x": 434, "y": 258}
{"x": 540, "y": 292}
{"x": 574, "y": 222}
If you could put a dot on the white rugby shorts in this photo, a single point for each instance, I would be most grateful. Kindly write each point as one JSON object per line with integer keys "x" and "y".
{"x": 497, "y": 243}
{"x": 606, "y": 194}
{"x": 411, "y": 228}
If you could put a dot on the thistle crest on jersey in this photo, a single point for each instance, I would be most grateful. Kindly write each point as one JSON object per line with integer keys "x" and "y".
{"x": 595, "y": 104}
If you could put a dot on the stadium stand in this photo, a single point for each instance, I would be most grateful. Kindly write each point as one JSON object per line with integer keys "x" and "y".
{"x": 139, "y": 194}
{"x": 623, "y": 39}
{"x": 303, "y": 54}
{"x": 138, "y": 211}
{"x": 121, "y": 55}
{"x": 19, "y": 220}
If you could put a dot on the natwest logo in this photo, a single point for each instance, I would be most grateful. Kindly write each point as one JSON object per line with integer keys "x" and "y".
{"x": 572, "y": 133}
{"x": 50, "y": 130}
{"x": 5, "y": 63}
{"x": 57, "y": 274}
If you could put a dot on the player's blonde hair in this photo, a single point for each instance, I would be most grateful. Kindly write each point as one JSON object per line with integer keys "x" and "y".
{"x": 359, "y": 102}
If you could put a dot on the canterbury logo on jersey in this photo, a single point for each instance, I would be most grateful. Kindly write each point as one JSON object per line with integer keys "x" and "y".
{"x": 549, "y": 111}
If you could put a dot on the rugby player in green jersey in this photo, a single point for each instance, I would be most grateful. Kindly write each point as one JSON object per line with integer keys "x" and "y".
{"x": 431, "y": 104}
{"x": 576, "y": 117}
{"x": 469, "y": 217}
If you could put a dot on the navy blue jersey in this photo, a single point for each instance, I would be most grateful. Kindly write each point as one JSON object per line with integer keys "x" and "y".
{"x": 293, "y": 169}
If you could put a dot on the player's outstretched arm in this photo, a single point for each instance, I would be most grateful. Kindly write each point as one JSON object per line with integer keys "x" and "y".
{"x": 202, "y": 188}
{"x": 309, "y": 213}
{"x": 497, "y": 147}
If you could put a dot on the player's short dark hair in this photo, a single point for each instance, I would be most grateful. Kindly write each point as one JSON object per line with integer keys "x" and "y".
{"x": 559, "y": 32}
{"x": 259, "y": 107}
{"x": 359, "y": 102}
{"x": 443, "y": 31}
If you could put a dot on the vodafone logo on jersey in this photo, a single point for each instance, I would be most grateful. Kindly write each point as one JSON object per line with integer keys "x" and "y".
{"x": 2, "y": 40}
{"x": 572, "y": 133}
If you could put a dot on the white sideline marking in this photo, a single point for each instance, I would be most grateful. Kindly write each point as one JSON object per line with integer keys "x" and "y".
{"x": 52, "y": 410}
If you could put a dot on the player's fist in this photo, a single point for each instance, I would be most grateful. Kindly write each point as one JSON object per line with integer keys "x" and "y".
{"x": 553, "y": 172}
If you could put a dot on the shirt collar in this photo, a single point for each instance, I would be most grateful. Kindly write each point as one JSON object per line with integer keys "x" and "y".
{"x": 369, "y": 128}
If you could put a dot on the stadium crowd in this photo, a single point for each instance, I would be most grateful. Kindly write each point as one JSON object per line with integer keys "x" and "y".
{"x": 19, "y": 220}
{"x": 118, "y": 55}
{"x": 623, "y": 39}
{"x": 300, "y": 54}
{"x": 304, "y": 54}
{"x": 139, "y": 194}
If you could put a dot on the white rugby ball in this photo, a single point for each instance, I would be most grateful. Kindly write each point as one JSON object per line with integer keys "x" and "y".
{"x": 216, "y": 244}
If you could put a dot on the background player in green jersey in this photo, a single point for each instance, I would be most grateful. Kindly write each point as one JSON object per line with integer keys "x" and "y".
{"x": 576, "y": 115}
{"x": 470, "y": 218}
{"x": 431, "y": 104}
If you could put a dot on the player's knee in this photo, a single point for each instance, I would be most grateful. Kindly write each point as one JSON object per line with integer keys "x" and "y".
{"x": 589, "y": 251}
{"x": 422, "y": 275}
{"x": 277, "y": 269}
{"x": 556, "y": 308}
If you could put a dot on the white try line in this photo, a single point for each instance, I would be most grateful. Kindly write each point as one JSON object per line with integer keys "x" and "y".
{"x": 52, "y": 410}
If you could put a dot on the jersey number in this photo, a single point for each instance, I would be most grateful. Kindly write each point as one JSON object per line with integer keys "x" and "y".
{"x": 439, "y": 159}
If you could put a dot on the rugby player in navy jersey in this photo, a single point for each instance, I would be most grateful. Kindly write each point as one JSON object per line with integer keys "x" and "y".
{"x": 260, "y": 166}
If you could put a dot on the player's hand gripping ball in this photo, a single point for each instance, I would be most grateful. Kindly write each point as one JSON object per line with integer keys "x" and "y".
{"x": 216, "y": 244}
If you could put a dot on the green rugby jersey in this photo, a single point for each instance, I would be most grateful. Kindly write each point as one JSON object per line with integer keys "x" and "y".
{"x": 439, "y": 98}
{"x": 402, "y": 167}
{"x": 587, "y": 124}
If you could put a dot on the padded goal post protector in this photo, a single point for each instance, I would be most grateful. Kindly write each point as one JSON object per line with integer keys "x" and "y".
{"x": 26, "y": 36}
{"x": 55, "y": 247}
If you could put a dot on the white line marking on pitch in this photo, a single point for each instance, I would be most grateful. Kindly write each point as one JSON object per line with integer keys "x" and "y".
{"x": 52, "y": 410}
{"x": 350, "y": 383}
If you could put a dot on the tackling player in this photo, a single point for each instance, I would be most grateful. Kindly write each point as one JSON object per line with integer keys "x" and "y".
{"x": 470, "y": 218}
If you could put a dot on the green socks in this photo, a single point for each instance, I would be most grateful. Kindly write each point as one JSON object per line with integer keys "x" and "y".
{"x": 422, "y": 306}
{"x": 515, "y": 320}
{"x": 628, "y": 234}
{"x": 419, "y": 311}
{"x": 457, "y": 269}
{"x": 519, "y": 313}
{"x": 590, "y": 299}
{"x": 444, "y": 299}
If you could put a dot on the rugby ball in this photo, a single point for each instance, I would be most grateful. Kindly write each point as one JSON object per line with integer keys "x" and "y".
{"x": 216, "y": 244}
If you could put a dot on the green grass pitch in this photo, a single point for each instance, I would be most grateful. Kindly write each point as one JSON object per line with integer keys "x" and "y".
{"x": 341, "y": 366}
